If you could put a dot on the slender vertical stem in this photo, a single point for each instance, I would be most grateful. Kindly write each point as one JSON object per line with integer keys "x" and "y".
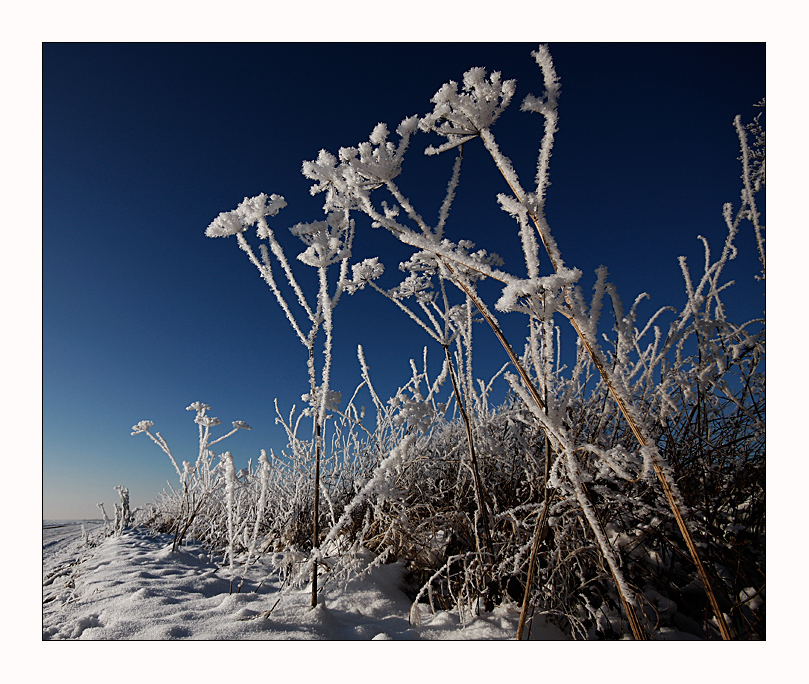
{"x": 315, "y": 530}
{"x": 478, "y": 484}
{"x": 542, "y": 524}
{"x": 539, "y": 535}
{"x": 749, "y": 194}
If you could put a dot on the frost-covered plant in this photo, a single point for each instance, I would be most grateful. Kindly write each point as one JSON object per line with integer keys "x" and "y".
{"x": 264, "y": 465}
{"x": 123, "y": 520}
{"x": 596, "y": 481}
{"x": 328, "y": 242}
{"x": 198, "y": 482}
{"x": 460, "y": 117}
{"x": 104, "y": 513}
{"x": 446, "y": 325}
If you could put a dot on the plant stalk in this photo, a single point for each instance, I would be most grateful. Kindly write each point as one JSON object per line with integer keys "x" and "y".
{"x": 539, "y": 535}
{"x": 315, "y": 530}
{"x": 475, "y": 471}
{"x": 636, "y": 431}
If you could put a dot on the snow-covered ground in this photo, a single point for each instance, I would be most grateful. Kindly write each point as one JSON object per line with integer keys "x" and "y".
{"x": 135, "y": 587}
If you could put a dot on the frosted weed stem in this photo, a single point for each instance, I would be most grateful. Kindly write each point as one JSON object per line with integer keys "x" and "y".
{"x": 610, "y": 382}
{"x": 487, "y": 536}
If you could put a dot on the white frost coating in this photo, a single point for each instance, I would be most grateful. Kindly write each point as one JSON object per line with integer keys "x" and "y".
{"x": 409, "y": 209}
{"x": 142, "y": 426}
{"x": 347, "y": 179}
{"x": 414, "y": 285}
{"x": 247, "y": 214}
{"x": 363, "y": 273}
{"x": 505, "y": 166}
{"x": 366, "y": 376}
{"x": 279, "y": 254}
{"x": 198, "y": 406}
{"x": 413, "y": 412}
{"x": 328, "y": 172}
{"x": 753, "y": 180}
{"x": 330, "y": 403}
{"x": 326, "y": 306}
{"x": 378, "y": 159}
{"x": 265, "y": 269}
{"x": 104, "y": 513}
{"x": 597, "y": 301}
{"x": 450, "y": 196}
{"x": 530, "y": 247}
{"x": 230, "y": 497}
{"x": 461, "y": 116}
{"x": 207, "y": 421}
{"x": 547, "y": 106}
{"x": 592, "y": 518}
{"x": 376, "y": 485}
{"x": 554, "y": 430}
{"x": 327, "y": 240}
{"x": 618, "y": 457}
{"x": 264, "y": 465}
{"x": 552, "y": 287}
{"x": 237, "y": 425}
{"x": 572, "y": 469}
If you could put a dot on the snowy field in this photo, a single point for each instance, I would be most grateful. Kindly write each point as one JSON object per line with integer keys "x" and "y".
{"x": 135, "y": 587}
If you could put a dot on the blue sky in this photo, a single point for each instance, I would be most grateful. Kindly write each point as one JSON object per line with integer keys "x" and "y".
{"x": 145, "y": 144}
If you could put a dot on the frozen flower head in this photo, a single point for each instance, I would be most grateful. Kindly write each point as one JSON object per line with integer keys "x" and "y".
{"x": 551, "y": 289}
{"x": 207, "y": 421}
{"x": 413, "y": 412}
{"x": 241, "y": 425}
{"x": 250, "y": 212}
{"x": 414, "y": 285}
{"x": 143, "y": 426}
{"x": 379, "y": 160}
{"x": 327, "y": 240}
{"x": 199, "y": 407}
{"x": 329, "y": 174}
{"x": 364, "y": 273}
{"x": 461, "y": 116}
{"x": 347, "y": 178}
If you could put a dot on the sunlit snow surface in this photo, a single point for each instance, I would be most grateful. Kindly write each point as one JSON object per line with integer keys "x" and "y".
{"x": 134, "y": 587}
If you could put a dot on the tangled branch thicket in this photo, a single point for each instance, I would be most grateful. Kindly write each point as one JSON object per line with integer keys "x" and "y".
{"x": 621, "y": 495}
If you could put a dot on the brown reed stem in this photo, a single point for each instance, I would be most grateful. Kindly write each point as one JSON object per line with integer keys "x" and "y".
{"x": 499, "y": 333}
{"x": 315, "y": 530}
{"x": 642, "y": 441}
{"x": 487, "y": 536}
{"x": 539, "y": 535}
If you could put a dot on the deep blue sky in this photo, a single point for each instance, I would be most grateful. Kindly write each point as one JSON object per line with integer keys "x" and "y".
{"x": 145, "y": 144}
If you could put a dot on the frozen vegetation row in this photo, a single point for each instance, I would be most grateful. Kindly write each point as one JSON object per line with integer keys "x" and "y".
{"x": 620, "y": 495}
